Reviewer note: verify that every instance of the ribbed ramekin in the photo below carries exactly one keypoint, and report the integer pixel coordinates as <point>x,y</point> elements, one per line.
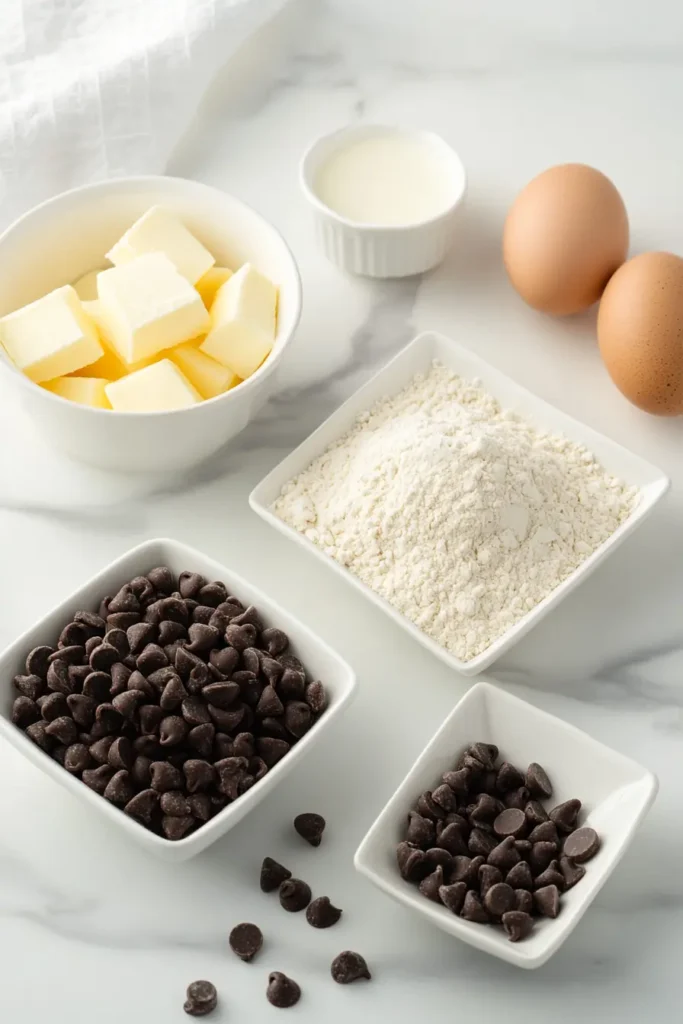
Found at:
<point>374,250</point>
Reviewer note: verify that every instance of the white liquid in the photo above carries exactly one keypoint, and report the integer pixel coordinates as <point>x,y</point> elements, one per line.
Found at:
<point>390,179</point>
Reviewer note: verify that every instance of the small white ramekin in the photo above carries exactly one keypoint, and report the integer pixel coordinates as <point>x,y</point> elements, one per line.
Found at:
<point>375,250</point>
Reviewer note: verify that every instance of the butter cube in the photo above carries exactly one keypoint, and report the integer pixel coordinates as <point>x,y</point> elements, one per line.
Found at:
<point>51,336</point>
<point>243,317</point>
<point>86,286</point>
<point>159,230</point>
<point>208,377</point>
<point>110,365</point>
<point>146,306</point>
<point>84,390</point>
<point>157,388</point>
<point>208,285</point>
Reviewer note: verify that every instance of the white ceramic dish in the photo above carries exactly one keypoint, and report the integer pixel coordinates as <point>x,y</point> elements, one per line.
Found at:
<point>377,250</point>
<point>321,660</point>
<point>615,791</point>
<point>58,241</point>
<point>417,357</point>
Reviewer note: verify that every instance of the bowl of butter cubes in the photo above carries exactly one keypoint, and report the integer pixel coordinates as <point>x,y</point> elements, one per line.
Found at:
<point>142,320</point>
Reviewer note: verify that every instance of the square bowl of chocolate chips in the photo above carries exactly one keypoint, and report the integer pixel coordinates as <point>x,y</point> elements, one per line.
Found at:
<point>507,827</point>
<point>170,695</point>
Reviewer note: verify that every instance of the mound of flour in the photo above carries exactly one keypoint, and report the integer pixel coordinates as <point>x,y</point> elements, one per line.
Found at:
<point>458,513</point>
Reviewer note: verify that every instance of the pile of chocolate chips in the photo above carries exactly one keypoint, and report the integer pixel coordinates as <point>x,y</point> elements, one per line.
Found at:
<point>483,844</point>
<point>171,701</point>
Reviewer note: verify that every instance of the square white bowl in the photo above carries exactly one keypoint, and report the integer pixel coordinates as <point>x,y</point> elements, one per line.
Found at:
<point>417,357</point>
<point>615,792</point>
<point>324,663</point>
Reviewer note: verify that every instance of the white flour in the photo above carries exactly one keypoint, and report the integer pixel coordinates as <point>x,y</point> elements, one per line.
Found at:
<point>460,514</point>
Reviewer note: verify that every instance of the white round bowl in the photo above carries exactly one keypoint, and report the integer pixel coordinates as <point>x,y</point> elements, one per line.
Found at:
<point>60,240</point>
<point>380,250</point>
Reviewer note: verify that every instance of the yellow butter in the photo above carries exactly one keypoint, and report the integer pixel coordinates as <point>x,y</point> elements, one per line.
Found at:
<point>50,337</point>
<point>157,388</point>
<point>208,285</point>
<point>84,390</point>
<point>146,306</point>
<point>86,286</point>
<point>208,377</point>
<point>159,230</point>
<point>243,322</point>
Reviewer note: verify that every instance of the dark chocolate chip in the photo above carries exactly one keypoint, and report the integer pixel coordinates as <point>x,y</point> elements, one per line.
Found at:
<point>231,771</point>
<point>485,809</point>
<point>488,877</point>
<point>273,875</point>
<point>551,876</point>
<point>545,833</point>
<point>165,777</point>
<point>581,845</point>
<point>172,731</point>
<point>510,822</point>
<point>58,677</point>
<point>173,694</point>
<point>37,661</point>
<point>175,804</point>
<point>82,709</point>
<point>571,872</point>
<point>473,910</point>
<point>504,855</point>
<point>524,901</point>
<point>435,855</point>
<point>310,827</point>
<point>99,750</point>
<point>421,831</point>
<point>77,758</point>
<point>201,739</point>
<point>221,695</point>
<point>190,583</point>
<point>30,686</point>
<point>508,778</point>
<point>519,877</point>
<point>202,637</point>
<point>109,718</point>
<point>241,637</point>
<point>444,796</point>
<point>452,839</point>
<point>246,940</point>
<point>274,641</point>
<point>537,782</point>
<point>271,750</point>
<point>320,913</point>
<point>198,774</point>
<point>120,789</point>
<point>535,813</point>
<point>518,798</point>
<point>72,655</point>
<point>175,828</point>
<point>316,698</point>
<point>499,899</point>
<point>430,884</point>
<point>480,844</point>
<point>170,631</point>
<point>98,686</point>
<point>63,729</point>
<point>541,855</point>
<point>140,772</point>
<point>298,718</point>
<point>348,967</point>
<point>202,997</point>
<point>98,779</point>
<point>459,781</point>
<point>485,753</point>
<point>547,901</point>
<point>453,896</point>
<point>121,753</point>
<point>53,705</point>
<point>412,862</point>
<point>151,658</point>
<point>517,924</point>
<point>143,805</point>
<point>565,814</point>
<point>282,991</point>
<point>295,895</point>
<point>428,808</point>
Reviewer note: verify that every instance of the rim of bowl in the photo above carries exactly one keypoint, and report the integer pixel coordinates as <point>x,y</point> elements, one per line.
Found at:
<point>339,136</point>
<point>149,180</point>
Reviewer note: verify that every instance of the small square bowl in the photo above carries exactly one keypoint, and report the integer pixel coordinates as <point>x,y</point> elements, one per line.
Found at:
<point>615,791</point>
<point>417,357</point>
<point>319,659</point>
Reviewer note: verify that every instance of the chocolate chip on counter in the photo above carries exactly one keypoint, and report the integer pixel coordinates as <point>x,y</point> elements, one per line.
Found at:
<point>547,900</point>
<point>581,845</point>
<point>295,895</point>
<point>571,872</point>
<point>246,941</point>
<point>143,805</point>
<point>545,833</point>
<point>310,827</point>
<point>119,789</point>
<point>517,924</point>
<point>202,999</point>
<point>320,913</point>
<point>499,899</point>
<point>488,877</point>
<point>551,876</point>
<point>453,896</point>
<point>565,814</point>
<point>348,967</point>
<point>430,885</point>
<point>510,822</point>
<point>282,991</point>
<point>524,901</point>
<point>273,875</point>
<point>473,910</point>
<point>541,855</point>
<point>508,778</point>
<point>520,877</point>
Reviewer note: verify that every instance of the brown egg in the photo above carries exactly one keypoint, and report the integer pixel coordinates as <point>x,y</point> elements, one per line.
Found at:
<point>565,235</point>
<point>640,332</point>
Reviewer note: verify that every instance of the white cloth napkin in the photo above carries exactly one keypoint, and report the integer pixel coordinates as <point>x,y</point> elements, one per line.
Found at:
<point>91,89</point>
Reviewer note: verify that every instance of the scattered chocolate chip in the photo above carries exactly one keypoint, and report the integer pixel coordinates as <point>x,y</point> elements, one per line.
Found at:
<point>295,895</point>
<point>282,991</point>
<point>581,845</point>
<point>202,997</point>
<point>348,967</point>
<point>517,924</point>
<point>320,913</point>
<point>310,827</point>
<point>273,875</point>
<point>246,940</point>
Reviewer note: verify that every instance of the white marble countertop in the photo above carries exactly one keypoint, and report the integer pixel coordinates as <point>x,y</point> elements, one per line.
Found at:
<point>90,927</point>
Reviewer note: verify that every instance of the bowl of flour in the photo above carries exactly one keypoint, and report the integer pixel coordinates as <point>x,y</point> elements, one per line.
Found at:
<point>462,504</point>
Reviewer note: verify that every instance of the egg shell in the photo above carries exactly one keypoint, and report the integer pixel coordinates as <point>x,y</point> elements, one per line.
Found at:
<point>565,235</point>
<point>640,332</point>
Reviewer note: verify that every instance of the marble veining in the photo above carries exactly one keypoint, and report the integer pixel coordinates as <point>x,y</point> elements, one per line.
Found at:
<point>92,928</point>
